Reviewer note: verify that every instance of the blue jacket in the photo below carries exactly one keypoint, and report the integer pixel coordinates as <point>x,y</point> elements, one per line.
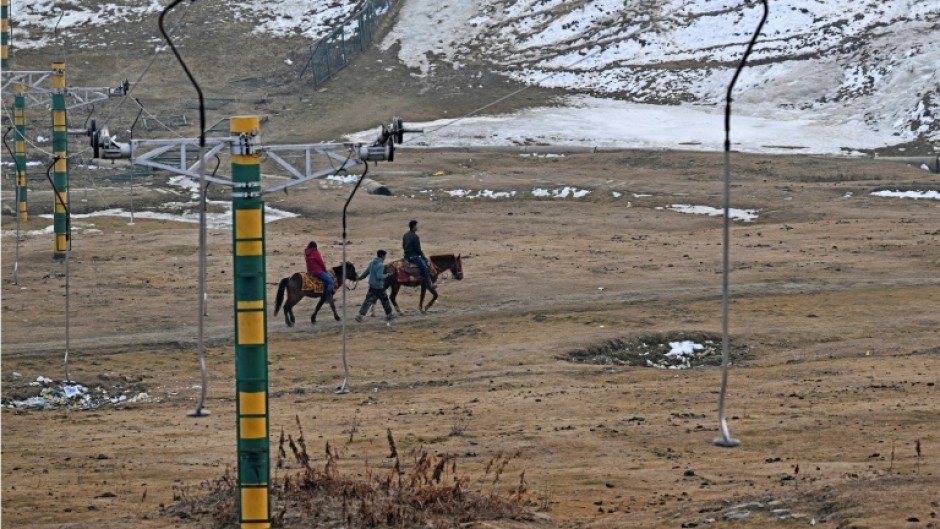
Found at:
<point>375,273</point>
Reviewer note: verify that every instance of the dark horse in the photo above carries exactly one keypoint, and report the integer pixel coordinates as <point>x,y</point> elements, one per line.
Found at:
<point>294,287</point>
<point>439,265</point>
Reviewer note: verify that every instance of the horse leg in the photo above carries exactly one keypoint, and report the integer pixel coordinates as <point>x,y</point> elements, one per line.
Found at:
<point>433,299</point>
<point>313,317</point>
<point>421,306</point>
<point>289,313</point>
<point>394,297</point>
<point>333,306</point>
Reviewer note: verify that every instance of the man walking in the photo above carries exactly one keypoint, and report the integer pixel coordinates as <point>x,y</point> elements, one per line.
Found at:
<point>376,274</point>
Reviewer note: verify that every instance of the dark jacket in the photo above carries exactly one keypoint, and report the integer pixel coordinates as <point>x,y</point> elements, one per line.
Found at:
<point>411,244</point>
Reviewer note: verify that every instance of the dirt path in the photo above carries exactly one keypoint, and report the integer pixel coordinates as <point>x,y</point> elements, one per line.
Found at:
<point>187,337</point>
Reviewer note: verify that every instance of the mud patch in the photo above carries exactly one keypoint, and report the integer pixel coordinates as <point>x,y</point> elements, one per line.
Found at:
<point>673,350</point>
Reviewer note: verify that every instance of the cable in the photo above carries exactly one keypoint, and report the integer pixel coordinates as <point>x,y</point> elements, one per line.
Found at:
<point>344,388</point>
<point>192,79</point>
<point>513,94</point>
<point>16,163</point>
<point>726,440</point>
<point>156,55</point>
<point>199,411</point>
<point>68,250</point>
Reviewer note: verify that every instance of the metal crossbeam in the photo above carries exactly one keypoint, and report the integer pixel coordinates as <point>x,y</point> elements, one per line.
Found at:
<point>182,147</point>
<point>30,79</point>
<point>41,95</point>
<point>339,156</point>
<point>345,162</point>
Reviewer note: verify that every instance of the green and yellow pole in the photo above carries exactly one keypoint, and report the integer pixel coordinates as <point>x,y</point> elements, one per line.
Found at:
<point>60,144</point>
<point>251,342</point>
<point>5,37</point>
<point>19,142</point>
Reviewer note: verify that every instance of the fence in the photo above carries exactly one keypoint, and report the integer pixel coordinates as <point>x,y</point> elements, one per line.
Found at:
<point>336,50</point>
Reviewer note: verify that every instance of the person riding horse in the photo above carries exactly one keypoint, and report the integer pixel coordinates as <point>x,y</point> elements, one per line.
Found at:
<point>316,267</point>
<point>411,244</point>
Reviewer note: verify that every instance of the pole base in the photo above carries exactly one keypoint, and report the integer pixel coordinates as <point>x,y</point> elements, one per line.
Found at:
<point>201,412</point>
<point>727,442</point>
<point>342,390</point>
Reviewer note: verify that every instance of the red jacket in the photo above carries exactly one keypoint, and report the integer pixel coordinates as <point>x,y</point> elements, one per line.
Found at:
<point>315,264</point>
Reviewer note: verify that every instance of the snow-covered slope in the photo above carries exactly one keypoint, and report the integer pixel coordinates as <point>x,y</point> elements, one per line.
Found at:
<point>872,62</point>
<point>865,69</point>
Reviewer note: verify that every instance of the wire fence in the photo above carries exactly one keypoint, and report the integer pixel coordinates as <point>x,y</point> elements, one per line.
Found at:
<point>336,50</point>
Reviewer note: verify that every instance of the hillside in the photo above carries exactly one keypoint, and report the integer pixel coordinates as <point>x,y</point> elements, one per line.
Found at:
<point>863,70</point>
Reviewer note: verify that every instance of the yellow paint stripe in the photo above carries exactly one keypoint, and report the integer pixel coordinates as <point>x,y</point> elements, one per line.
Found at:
<point>245,124</point>
<point>251,328</point>
<point>254,503</point>
<point>61,166</point>
<point>246,159</point>
<point>248,223</point>
<point>252,427</point>
<point>60,242</point>
<point>58,118</point>
<point>249,305</point>
<point>245,249</point>
<point>252,403</point>
<point>254,525</point>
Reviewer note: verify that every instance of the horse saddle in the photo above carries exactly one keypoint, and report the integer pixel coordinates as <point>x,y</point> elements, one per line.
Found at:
<point>316,285</point>
<point>406,271</point>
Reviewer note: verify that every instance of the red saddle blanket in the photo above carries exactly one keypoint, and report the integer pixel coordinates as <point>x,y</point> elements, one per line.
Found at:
<point>405,271</point>
<point>316,285</point>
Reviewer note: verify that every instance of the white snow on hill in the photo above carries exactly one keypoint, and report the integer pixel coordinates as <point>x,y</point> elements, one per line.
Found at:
<point>869,65</point>
<point>825,76</point>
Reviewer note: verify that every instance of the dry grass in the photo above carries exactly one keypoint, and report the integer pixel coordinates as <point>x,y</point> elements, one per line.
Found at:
<point>420,490</point>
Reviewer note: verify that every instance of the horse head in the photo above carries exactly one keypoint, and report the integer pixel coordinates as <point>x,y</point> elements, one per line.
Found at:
<point>350,271</point>
<point>457,268</point>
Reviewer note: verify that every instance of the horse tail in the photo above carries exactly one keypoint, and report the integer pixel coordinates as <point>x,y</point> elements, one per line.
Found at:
<point>280,295</point>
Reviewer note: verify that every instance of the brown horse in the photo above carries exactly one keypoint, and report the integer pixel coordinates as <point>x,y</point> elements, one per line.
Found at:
<point>439,264</point>
<point>293,285</point>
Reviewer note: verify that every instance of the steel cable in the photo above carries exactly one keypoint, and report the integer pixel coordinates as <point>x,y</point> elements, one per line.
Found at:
<point>199,411</point>
<point>726,440</point>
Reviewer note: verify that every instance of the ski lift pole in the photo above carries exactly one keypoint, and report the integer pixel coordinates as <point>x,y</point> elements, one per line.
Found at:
<point>60,143</point>
<point>251,347</point>
<point>19,142</point>
<point>5,37</point>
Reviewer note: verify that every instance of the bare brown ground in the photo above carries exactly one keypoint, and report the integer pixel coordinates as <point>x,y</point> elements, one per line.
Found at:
<point>835,293</point>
